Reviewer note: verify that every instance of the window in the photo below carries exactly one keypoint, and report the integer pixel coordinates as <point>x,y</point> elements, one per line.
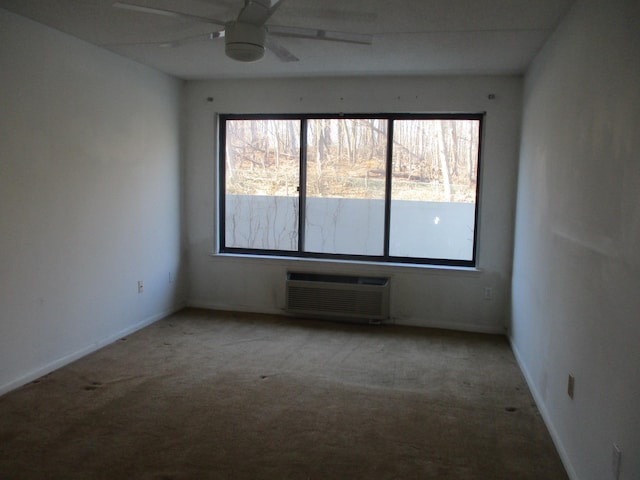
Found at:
<point>388,188</point>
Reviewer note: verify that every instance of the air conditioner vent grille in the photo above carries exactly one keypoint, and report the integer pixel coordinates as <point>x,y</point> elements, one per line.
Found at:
<point>339,297</point>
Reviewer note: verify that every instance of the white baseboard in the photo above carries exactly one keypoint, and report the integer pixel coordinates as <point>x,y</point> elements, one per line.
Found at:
<point>407,322</point>
<point>71,357</point>
<point>223,307</point>
<point>461,327</point>
<point>557,441</point>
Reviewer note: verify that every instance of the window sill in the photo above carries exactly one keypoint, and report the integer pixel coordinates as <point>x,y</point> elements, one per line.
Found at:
<point>383,267</point>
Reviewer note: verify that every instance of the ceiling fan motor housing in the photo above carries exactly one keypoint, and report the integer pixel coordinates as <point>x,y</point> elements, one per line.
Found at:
<point>244,42</point>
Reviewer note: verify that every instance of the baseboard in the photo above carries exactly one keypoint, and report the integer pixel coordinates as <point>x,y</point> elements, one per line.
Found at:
<point>72,357</point>
<point>224,307</point>
<point>557,441</point>
<point>461,327</point>
<point>406,322</point>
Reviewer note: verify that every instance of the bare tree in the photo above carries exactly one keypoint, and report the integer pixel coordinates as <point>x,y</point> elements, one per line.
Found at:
<point>443,163</point>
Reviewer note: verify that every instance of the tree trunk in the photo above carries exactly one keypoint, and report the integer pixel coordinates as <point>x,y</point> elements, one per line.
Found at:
<point>443,163</point>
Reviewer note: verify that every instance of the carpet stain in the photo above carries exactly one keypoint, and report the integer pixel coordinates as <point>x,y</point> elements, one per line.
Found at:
<point>93,386</point>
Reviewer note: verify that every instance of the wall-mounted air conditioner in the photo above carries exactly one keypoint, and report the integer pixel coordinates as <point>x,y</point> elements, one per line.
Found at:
<point>338,297</point>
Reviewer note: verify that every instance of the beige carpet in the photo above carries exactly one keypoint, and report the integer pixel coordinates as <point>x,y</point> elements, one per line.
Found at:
<point>217,395</point>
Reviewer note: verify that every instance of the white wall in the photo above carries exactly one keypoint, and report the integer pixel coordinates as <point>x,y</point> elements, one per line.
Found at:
<point>90,198</point>
<point>420,296</point>
<point>576,280</point>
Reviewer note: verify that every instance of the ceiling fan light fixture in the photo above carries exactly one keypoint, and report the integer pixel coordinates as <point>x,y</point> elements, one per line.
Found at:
<point>244,52</point>
<point>244,42</point>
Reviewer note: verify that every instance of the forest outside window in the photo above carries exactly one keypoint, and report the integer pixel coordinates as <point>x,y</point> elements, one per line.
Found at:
<point>388,188</point>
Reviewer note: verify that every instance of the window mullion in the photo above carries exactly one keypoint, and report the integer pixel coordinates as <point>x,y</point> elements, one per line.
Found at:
<point>387,190</point>
<point>222,183</point>
<point>302,187</point>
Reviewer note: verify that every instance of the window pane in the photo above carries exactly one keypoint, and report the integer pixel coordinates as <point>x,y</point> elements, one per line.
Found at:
<point>345,186</point>
<point>262,161</point>
<point>433,192</point>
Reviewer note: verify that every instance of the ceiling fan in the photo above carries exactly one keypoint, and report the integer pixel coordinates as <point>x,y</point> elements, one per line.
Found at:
<point>247,36</point>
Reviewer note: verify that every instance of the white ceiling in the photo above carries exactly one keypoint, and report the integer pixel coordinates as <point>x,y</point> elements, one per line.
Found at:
<point>410,37</point>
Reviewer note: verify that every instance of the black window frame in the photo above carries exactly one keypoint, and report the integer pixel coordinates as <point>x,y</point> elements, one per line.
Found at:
<point>300,253</point>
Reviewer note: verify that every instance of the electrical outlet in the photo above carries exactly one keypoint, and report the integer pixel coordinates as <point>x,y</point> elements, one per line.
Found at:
<point>170,277</point>
<point>616,458</point>
<point>140,286</point>
<point>488,293</point>
<point>570,385</point>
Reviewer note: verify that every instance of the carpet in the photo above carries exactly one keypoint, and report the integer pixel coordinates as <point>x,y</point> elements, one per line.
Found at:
<point>204,394</point>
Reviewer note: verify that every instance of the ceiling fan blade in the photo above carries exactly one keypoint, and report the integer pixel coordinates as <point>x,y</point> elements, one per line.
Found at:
<point>276,4</point>
<point>313,33</point>
<point>166,13</point>
<point>171,43</point>
<point>257,12</point>
<point>194,38</point>
<point>322,13</point>
<point>280,52</point>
